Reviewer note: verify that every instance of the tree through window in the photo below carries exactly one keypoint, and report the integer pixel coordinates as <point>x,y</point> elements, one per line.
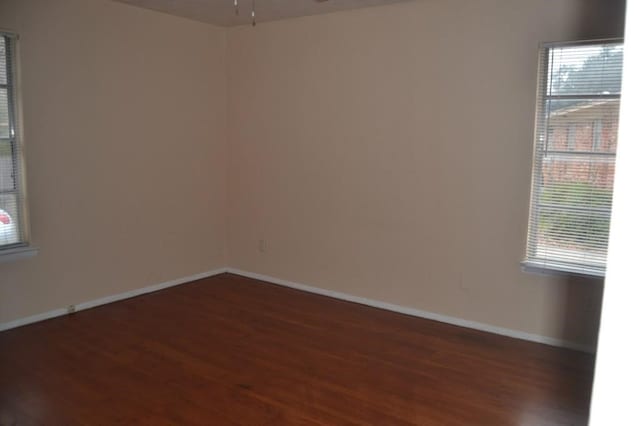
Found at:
<point>575,146</point>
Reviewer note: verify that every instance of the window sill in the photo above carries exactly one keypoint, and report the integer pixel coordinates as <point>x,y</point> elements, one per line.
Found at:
<point>17,253</point>
<point>558,268</point>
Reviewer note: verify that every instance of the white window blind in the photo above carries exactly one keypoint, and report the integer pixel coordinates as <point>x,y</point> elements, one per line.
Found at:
<point>574,156</point>
<point>12,232</point>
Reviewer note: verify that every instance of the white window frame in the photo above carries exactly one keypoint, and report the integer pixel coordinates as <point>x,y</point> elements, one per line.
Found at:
<point>23,248</point>
<point>549,264</point>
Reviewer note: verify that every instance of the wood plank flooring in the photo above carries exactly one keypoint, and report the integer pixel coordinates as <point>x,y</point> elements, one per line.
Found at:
<point>229,350</point>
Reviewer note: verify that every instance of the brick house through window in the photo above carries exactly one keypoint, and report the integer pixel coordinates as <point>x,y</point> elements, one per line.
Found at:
<point>589,129</point>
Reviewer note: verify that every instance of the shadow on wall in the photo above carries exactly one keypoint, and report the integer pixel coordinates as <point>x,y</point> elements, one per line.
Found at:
<point>602,19</point>
<point>583,295</point>
<point>581,315</point>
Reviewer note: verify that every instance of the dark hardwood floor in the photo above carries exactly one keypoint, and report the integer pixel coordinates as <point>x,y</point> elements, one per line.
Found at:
<point>230,350</point>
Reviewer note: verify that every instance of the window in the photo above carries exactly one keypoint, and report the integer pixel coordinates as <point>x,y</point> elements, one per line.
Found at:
<point>12,214</point>
<point>574,156</point>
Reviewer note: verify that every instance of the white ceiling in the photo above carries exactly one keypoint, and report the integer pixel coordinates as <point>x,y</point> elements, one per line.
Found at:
<point>222,12</point>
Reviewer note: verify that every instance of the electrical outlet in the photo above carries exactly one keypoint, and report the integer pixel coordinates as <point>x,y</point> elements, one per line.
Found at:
<point>71,309</point>
<point>262,246</point>
<point>463,284</point>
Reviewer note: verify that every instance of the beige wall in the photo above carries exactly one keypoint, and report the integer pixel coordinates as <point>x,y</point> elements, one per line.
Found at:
<point>382,152</point>
<point>386,153</point>
<point>125,129</point>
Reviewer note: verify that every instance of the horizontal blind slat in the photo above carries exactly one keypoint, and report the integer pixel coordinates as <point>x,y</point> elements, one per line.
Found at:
<point>574,156</point>
<point>11,193</point>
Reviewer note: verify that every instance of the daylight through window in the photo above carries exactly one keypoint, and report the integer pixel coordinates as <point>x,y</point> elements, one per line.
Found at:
<point>12,233</point>
<point>575,148</point>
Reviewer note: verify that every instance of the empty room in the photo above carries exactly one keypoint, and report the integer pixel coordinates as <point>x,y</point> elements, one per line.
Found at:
<point>318,212</point>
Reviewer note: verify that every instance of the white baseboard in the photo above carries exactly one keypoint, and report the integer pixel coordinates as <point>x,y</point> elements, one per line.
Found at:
<point>419,313</point>
<point>316,290</point>
<point>108,299</point>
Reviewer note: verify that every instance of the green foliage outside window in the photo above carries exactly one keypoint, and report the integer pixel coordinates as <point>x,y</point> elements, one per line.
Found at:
<point>563,226</point>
